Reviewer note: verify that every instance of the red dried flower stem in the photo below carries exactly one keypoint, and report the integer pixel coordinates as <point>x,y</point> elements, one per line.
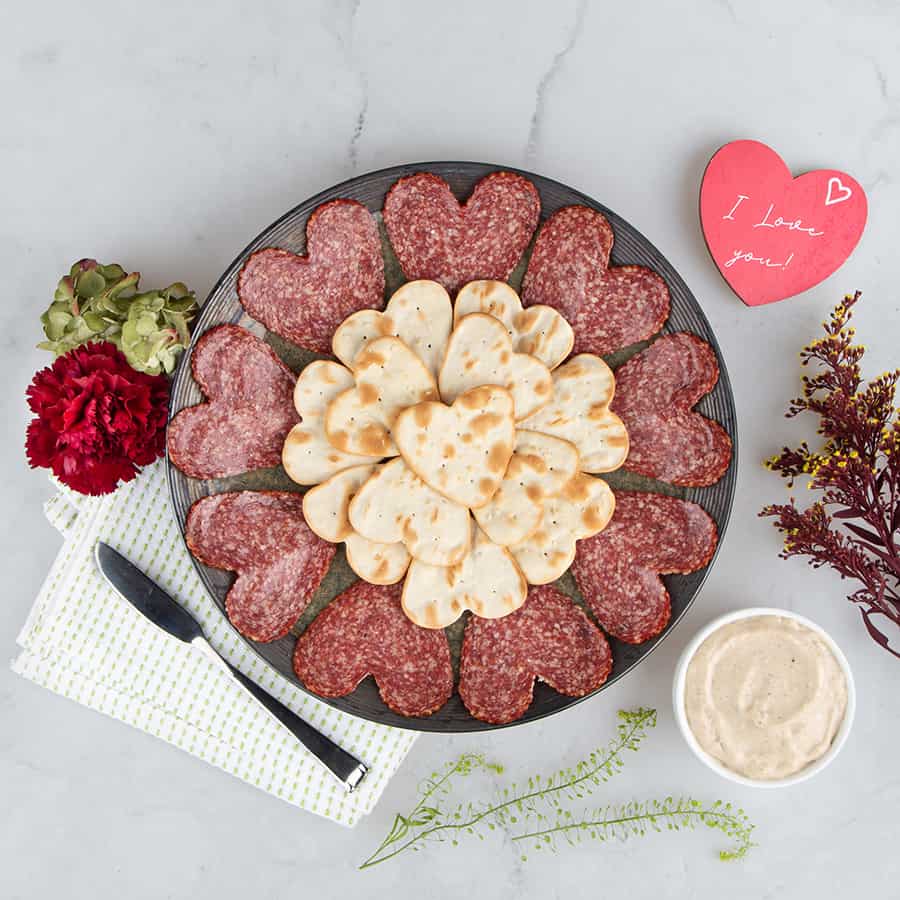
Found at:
<point>857,469</point>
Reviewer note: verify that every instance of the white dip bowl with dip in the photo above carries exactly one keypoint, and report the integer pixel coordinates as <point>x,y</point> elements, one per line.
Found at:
<point>764,697</point>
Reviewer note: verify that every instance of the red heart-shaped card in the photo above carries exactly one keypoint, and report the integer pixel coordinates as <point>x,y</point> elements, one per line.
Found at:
<point>771,235</point>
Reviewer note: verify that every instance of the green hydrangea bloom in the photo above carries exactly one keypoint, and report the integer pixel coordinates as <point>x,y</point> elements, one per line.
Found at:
<point>100,303</point>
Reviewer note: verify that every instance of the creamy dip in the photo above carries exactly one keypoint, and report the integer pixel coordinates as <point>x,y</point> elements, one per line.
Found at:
<point>765,696</point>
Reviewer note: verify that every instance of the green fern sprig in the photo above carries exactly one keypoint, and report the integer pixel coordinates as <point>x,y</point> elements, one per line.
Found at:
<point>515,805</point>
<point>636,819</point>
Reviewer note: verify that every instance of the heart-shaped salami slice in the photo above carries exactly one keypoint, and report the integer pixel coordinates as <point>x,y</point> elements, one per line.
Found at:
<point>618,570</point>
<point>655,393</point>
<point>608,307</point>
<point>548,638</point>
<point>304,298</point>
<point>263,537</point>
<point>250,409</point>
<point>363,632</point>
<point>461,451</point>
<point>437,238</point>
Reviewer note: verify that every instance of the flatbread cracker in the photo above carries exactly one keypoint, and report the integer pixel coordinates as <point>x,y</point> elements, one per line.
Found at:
<point>581,510</point>
<point>461,450</point>
<point>579,412</point>
<point>396,505</point>
<point>375,562</point>
<point>539,468</point>
<point>539,330</point>
<point>480,351</point>
<point>419,313</point>
<point>389,378</point>
<point>307,455</point>
<point>487,581</point>
<point>325,508</point>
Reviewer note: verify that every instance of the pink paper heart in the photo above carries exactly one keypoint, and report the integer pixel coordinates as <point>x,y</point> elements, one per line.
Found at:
<point>771,235</point>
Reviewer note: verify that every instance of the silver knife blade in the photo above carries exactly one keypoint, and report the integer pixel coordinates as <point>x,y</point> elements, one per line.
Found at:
<point>149,599</point>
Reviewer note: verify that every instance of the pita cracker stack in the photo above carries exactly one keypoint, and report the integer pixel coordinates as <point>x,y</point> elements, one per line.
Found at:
<point>307,456</point>
<point>462,450</point>
<point>579,413</point>
<point>394,504</point>
<point>419,313</point>
<point>539,330</point>
<point>581,510</point>
<point>389,377</point>
<point>480,352</point>
<point>487,581</point>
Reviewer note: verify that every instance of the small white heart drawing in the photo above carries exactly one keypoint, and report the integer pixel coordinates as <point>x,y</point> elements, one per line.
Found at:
<point>835,187</point>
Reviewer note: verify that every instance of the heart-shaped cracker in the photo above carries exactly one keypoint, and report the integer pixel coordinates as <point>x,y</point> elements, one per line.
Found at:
<point>436,237</point>
<point>579,413</point>
<point>487,581</point>
<point>419,313</point>
<point>461,450</point>
<point>549,638</point>
<point>303,298</point>
<point>582,509</point>
<point>389,377</point>
<point>655,394</point>
<point>363,632</point>
<point>249,412</point>
<point>608,307</point>
<point>539,468</point>
<point>307,455</point>
<point>396,505</point>
<point>479,352</point>
<point>539,330</point>
<point>325,509</point>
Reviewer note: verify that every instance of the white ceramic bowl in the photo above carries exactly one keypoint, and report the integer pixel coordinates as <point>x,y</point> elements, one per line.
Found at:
<point>712,762</point>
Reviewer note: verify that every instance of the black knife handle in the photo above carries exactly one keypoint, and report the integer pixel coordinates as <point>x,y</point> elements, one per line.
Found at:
<point>344,766</point>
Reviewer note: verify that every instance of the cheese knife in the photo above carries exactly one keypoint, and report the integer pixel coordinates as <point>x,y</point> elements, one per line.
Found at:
<point>149,599</point>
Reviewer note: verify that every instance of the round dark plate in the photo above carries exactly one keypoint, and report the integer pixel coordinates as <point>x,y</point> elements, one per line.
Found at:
<point>289,232</point>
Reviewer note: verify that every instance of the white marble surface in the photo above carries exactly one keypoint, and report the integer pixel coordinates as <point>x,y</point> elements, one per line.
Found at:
<point>166,137</point>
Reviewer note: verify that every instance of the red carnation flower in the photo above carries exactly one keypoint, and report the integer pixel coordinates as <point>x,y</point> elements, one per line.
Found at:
<point>96,419</point>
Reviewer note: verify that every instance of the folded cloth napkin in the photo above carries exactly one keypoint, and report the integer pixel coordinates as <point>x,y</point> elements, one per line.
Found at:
<point>82,640</point>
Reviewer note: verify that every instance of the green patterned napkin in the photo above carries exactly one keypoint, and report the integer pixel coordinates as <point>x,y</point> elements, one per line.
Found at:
<point>83,641</point>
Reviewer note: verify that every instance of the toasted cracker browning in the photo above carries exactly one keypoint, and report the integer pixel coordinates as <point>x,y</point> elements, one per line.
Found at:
<point>481,423</point>
<point>487,581</point>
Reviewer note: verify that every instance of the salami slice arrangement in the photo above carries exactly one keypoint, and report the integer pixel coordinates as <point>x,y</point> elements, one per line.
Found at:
<point>363,632</point>
<point>452,443</point>
<point>279,561</point>
<point>436,237</point>
<point>305,298</point>
<point>249,411</point>
<point>548,638</point>
<point>618,570</point>
<point>608,307</point>
<point>656,391</point>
